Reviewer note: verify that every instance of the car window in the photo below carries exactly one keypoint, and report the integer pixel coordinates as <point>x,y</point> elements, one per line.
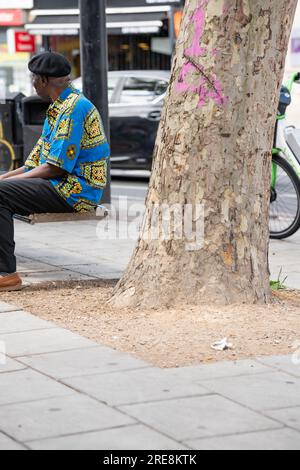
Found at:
<point>142,90</point>
<point>112,83</point>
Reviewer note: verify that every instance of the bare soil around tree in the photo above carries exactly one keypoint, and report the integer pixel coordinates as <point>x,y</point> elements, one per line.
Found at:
<point>168,337</point>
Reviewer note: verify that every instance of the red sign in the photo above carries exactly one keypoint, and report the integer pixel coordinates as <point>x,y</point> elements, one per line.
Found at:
<point>24,42</point>
<point>11,17</point>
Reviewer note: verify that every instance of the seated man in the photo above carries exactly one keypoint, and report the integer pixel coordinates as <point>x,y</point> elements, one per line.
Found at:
<point>67,169</point>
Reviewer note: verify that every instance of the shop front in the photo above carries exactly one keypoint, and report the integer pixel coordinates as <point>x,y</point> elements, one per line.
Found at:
<point>141,32</point>
<point>14,52</point>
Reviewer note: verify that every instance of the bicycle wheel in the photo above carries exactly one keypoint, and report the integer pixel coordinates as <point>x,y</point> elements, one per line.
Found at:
<point>285,200</point>
<point>6,156</point>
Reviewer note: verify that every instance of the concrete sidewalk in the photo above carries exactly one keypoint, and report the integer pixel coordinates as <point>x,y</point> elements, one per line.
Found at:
<point>79,250</point>
<point>284,256</point>
<point>62,391</point>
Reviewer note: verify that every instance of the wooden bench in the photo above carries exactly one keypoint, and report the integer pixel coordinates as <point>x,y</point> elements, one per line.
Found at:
<point>100,213</point>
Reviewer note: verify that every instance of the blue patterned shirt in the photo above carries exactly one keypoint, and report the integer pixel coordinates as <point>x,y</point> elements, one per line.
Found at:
<point>73,139</point>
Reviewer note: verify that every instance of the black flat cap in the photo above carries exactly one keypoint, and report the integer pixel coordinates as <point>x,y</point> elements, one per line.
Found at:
<point>50,64</point>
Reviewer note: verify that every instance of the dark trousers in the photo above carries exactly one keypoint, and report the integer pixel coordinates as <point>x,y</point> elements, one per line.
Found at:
<point>23,197</point>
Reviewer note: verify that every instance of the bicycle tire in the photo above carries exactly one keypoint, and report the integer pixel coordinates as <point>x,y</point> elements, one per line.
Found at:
<point>290,172</point>
<point>9,162</point>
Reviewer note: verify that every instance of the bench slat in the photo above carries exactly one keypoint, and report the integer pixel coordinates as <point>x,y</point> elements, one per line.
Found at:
<point>100,213</point>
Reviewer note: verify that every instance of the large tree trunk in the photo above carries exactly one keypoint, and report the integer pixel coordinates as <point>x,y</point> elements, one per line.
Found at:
<point>213,149</point>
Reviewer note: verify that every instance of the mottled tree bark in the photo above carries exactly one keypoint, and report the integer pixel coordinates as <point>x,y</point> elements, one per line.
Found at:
<point>213,148</point>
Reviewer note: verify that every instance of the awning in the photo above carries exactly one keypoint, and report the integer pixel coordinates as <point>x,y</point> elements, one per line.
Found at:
<point>69,24</point>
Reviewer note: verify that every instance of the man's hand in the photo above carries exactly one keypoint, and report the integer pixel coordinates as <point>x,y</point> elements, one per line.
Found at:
<point>45,171</point>
<point>12,174</point>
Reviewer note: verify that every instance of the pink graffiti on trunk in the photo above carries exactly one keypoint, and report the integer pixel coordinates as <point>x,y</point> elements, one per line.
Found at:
<point>198,18</point>
<point>208,87</point>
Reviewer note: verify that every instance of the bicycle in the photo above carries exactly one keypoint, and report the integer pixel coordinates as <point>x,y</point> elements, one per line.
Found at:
<point>285,183</point>
<point>7,153</point>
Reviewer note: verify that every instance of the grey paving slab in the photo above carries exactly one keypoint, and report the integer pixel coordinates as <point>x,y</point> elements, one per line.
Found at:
<point>222,369</point>
<point>63,257</point>
<point>81,362</point>
<point>6,443</point>
<point>282,257</point>
<point>56,417</point>
<point>102,258</point>
<point>69,259</point>
<point>293,280</point>
<point>53,276</point>
<point>6,308</point>
<point>289,263</point>
<point>136,437</point>
<point>197,417</point>
<point>21,321</point>
<point>287,257</point>
<point>28,385</point>
<point>9,365</point>
<point>43,341</point>
<point>48,255</point>
<point>280,439</point>
<point>135,386</point>
<point>290,273</point>
<point>100,270</point>
<point>288,416</point>
<point>268,391</point>
<point>288,364</point>
<point>27,265</point>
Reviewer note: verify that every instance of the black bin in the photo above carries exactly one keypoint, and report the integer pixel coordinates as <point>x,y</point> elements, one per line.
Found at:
<point>11,132</point>
<point>34,115</point>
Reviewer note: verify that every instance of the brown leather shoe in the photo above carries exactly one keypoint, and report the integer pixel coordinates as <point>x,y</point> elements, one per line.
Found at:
<point>10,282</point>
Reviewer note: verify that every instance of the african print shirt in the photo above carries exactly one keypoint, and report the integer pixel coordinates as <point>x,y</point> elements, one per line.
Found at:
<point>73,139</point>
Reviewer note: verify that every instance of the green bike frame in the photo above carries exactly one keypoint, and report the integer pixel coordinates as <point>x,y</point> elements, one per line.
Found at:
<point>284,151</point>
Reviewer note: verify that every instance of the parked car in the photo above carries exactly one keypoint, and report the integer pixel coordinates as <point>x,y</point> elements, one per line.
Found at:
<point>135,103</point>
